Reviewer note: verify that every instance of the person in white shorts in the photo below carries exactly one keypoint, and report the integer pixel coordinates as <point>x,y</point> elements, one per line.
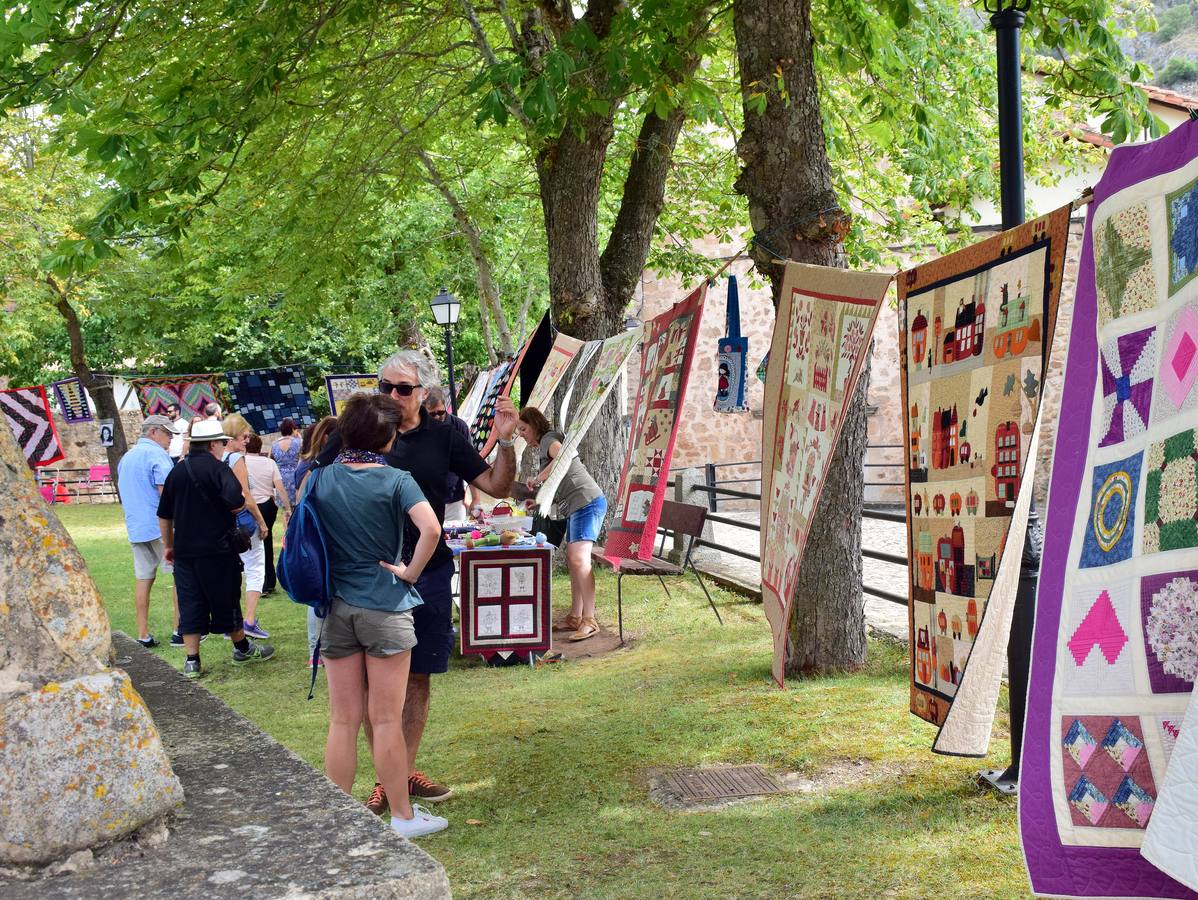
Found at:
<point>140,476</point>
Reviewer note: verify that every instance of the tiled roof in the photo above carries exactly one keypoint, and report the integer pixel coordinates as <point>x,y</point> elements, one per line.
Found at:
<point>1169,98</point>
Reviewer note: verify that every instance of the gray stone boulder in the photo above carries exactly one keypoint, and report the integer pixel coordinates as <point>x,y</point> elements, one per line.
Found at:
<point>81,763</point>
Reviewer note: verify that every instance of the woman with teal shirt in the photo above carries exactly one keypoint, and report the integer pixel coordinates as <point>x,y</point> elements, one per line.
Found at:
<point>367,639</point>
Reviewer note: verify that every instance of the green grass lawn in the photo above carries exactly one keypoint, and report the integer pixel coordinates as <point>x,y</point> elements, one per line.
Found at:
<point>554,762</point>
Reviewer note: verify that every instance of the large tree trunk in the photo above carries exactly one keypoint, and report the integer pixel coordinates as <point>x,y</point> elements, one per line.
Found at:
<point>100,389</point>
<point>795,214</point>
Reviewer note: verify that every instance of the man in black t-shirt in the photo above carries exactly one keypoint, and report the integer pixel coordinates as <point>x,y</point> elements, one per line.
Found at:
<point>196,513</point>
<point>431,451</point>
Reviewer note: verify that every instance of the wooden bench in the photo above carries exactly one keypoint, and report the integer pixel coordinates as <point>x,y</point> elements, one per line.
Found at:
<point>686,519</point>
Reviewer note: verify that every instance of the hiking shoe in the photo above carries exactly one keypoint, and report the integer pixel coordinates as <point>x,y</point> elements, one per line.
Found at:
<point>254,630</point>
<point>191,668</point>
<point>256,653</point>
<point>424,788</point>
<point>378,799</point>
<point>422,822</point>
<point>148,641</point>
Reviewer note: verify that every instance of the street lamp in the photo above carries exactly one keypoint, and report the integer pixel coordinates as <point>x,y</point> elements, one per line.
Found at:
<point>445,307</point>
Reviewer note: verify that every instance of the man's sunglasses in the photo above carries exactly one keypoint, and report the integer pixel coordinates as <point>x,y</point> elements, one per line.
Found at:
<point>439,414</point>
<point>404,390</point>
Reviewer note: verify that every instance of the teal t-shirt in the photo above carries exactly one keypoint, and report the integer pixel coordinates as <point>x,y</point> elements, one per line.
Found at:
<point>362,512</point>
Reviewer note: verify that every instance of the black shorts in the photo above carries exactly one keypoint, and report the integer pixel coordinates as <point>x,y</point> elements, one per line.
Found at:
<point>433,621</point>
<point>209,589</point>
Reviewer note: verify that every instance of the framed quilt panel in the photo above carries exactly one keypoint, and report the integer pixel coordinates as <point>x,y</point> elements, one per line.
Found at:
<point>1109,760</point>
<point>609,363</point>
<point>665,370</point>
<point>822,332</point>
<point>72,400</point>
<point>191,392</point>
<point>974,333</point>
<point>341,387</point>
<point>27,411</point>
<point>561,354</point>
<point>268,396</point>
<point>506,600</point>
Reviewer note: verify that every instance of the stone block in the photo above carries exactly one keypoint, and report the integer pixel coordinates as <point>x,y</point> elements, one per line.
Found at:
<point>81,764</point>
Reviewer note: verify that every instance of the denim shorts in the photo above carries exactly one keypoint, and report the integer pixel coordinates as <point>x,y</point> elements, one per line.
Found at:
<point>585,524</point>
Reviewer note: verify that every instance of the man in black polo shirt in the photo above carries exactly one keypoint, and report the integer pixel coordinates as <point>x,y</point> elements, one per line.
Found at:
<point>430,451</point>
<point>195,513</point>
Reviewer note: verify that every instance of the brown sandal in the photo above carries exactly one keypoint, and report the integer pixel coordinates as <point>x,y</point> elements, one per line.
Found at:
<point>568,622</point>
<point>587,628</point>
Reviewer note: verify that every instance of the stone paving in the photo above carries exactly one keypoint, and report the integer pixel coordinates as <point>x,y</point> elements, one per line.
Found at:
<point>881,615</point>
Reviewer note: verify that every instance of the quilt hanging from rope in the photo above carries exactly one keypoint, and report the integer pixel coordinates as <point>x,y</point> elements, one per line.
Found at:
<point>1109,777</point>
<point>341,387</point>
<point>975,328</point>
<point>561,354</point>
<point>28,413</point>
<point>612,354</point>
<point>822,332</point>
<point>72,400</point>
<point>268,396</point>
<point>191,392</point>
<point>661,389</point>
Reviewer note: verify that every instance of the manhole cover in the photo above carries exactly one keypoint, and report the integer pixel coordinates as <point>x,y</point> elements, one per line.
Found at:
<point>720,783</point>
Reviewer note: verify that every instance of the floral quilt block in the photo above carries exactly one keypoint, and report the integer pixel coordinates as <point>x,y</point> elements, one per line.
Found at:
<point>1171,494</point>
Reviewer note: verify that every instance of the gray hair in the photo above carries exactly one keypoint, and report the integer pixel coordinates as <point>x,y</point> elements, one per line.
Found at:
<point>436,396</point>
<point>425,369</point>
<point>212,409</point>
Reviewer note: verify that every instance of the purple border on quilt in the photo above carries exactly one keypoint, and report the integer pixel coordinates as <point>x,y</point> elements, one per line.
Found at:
<point>1055,868</point>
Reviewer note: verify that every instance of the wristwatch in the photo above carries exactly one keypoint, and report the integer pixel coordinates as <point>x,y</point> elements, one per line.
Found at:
<point>508,442</point>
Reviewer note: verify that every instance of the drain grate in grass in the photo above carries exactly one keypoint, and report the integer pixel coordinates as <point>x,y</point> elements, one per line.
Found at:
<point>720,783</point>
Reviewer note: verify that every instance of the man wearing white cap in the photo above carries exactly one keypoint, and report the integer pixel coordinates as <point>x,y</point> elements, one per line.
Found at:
<point>141,474</point>
<point>197,517</point>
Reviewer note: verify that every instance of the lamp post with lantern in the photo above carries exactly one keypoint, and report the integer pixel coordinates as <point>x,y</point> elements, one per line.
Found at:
<point>446,307</point>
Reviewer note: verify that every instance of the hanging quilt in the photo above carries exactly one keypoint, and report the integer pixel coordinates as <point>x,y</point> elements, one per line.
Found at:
<point>535,355</point>
<point>975,327</point>
<point>28,413</point>
<point>341,387</point>
<point>1115,650</point>
<point>731,359</point>
<point>72,400</point>
<point>665,371</point>
<point>499,379</point>
<point>611,356</point>
<point>561,354</point>
<point>468,403</point>
<point>191,392</point>
<point>822,332</point>
<point>268,396</point>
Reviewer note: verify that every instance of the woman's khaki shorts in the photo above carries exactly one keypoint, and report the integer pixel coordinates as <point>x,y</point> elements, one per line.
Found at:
<point>353,629</point>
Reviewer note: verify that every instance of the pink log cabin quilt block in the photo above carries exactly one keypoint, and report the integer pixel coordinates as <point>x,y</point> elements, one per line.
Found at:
<point>822,333</point>
<point>1115,651</point>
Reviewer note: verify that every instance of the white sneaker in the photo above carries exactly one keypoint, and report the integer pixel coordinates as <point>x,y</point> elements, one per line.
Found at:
<point>422,822</point>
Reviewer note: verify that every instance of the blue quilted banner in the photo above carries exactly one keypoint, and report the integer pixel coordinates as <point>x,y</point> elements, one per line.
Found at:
<point>268,396</point>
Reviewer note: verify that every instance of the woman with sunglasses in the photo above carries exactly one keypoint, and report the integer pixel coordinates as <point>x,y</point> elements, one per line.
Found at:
<point>368,636</point>
<point>238,431</point>
<point>581,503</point>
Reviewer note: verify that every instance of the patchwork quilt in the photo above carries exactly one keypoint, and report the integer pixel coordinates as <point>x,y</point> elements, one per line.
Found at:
<point>499,382</point>
<point>1108,749</point>
<point>822,332</point>
<point>341,387</point>
<point>558,360</point>
<point>609,363</point>
<point>665,371</point>
<point>191,392</point>
<point>268,396</point>
<point>974,331</point>
<point>27,411</point>
<point>468,402</point>
<point>72,400</point>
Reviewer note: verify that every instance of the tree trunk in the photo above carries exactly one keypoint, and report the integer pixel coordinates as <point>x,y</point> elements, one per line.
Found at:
<point>100,389</point>
<point>795,214</point>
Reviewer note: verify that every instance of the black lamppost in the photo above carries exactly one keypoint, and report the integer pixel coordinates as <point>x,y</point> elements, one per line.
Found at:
<point>445,307</point>
<point>1007,17</point>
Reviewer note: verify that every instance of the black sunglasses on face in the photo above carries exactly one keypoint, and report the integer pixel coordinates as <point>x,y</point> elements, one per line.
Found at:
<point>439,414</point>
<point>404,390</point>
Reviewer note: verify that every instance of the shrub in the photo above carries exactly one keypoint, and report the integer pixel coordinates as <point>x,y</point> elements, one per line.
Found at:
<point>1172,21</point>
<point>1179,69</point>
